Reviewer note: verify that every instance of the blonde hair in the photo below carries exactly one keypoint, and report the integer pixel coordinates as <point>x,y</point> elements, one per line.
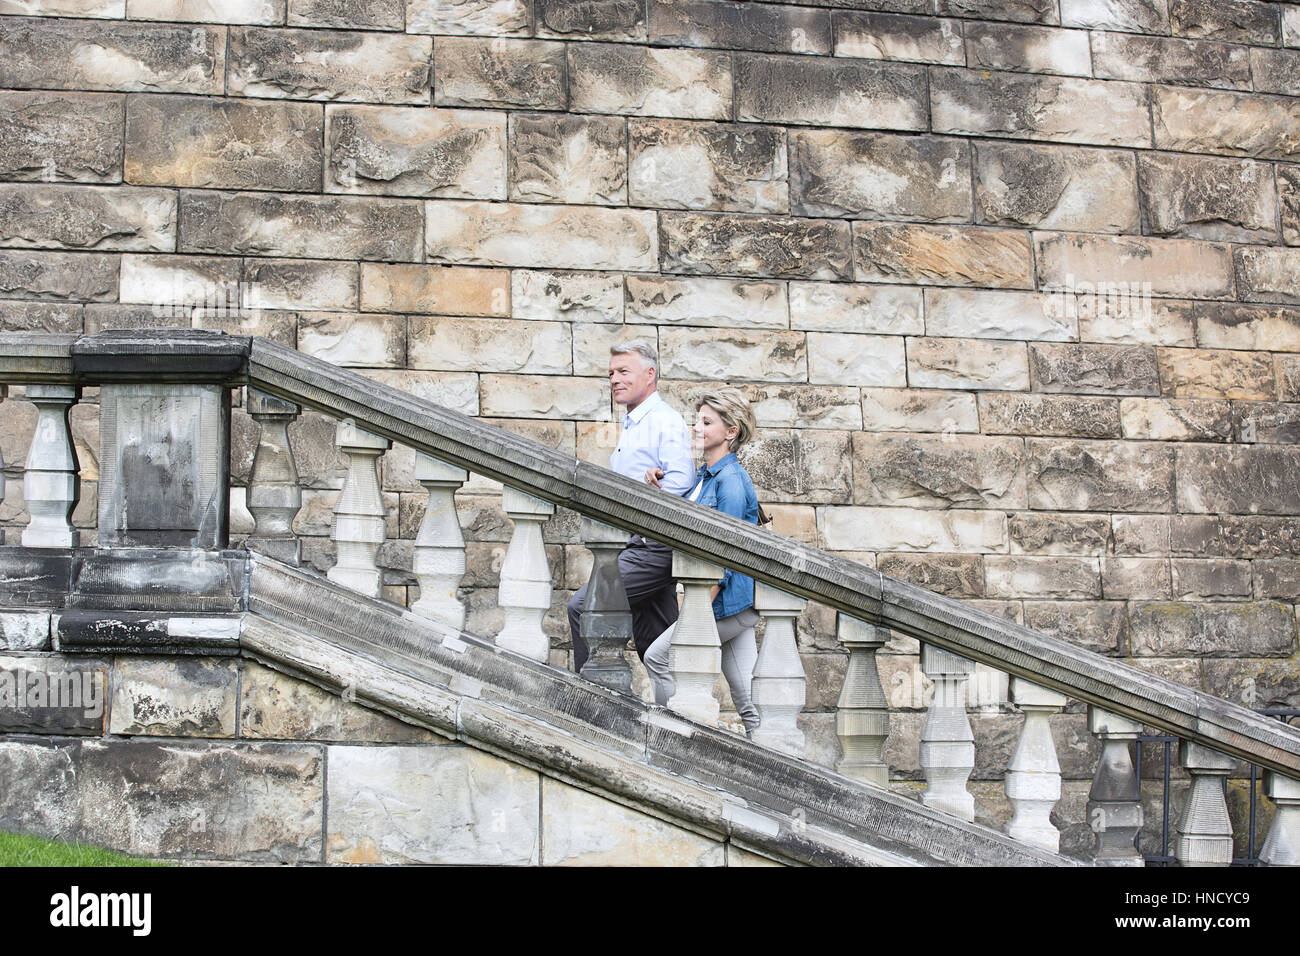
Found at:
<point>733,408</point>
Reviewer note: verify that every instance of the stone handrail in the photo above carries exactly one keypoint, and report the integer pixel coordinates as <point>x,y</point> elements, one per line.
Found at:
<point>598,493</point>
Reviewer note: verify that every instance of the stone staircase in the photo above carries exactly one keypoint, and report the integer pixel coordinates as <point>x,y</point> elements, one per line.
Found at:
<point>160,582</point>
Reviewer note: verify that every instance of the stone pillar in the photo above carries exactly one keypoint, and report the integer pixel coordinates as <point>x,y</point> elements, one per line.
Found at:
<point>947,743</point>
<point>51,483</point>
<point>1033,780</point>
<point>4,393</point>
<point>1205,830</point>
<point>606,625</point>
<point>696,655</point>
<point>274,496</point>
<point>862,714</point>
<point>525,590</point>
<point>1282,845</point>
<point>359,512</point>
<point>439,561</point>
<point>1115,800</point>
<point>779,689</point>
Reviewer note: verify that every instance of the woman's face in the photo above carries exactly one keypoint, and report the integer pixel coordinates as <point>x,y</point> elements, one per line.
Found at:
<point>712,436</point>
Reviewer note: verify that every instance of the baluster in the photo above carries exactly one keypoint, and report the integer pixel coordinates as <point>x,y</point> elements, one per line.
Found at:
<point>779,689</point>
<point>1282,845</point>
<point>439,561</point>
<point>274,496</point>
<point>359,512</point>
<point>695,659</point>
<point>1115,800</point>
<point>525,590</point>
<point>862,714</point>
<point>51,483</point>
<point>606,625</point>
<point>1205,830</point>
<point>947,743</point>
<point>4,393</point>
<point>1033,780</point>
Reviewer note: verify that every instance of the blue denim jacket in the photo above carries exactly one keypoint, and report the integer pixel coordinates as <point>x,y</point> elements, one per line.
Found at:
<point>727,488</point>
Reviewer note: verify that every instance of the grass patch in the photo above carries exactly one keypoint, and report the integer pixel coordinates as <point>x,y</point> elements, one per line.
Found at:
<point>19,850</point>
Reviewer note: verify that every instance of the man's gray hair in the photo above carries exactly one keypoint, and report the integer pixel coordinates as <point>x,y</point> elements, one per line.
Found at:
<point>642,348</point>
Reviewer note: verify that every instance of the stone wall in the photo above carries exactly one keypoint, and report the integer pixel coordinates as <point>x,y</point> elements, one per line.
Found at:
<point>1015,286</point>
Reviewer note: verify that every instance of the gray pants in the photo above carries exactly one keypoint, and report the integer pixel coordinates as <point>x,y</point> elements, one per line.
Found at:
<point>739,655</point>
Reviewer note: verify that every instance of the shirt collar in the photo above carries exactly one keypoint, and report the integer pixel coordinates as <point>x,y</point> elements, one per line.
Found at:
<point>717,466</point>
<point>642,410</point>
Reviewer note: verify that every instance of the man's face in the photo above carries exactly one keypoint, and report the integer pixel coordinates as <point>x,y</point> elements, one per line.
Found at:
<point>631,379</point>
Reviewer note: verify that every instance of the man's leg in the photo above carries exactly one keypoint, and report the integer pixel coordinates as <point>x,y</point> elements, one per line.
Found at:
<point>647,569</point>
<point>575,620</point>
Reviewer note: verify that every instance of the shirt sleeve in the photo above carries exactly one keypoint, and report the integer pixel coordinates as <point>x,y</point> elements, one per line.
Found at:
<point>676,458</point>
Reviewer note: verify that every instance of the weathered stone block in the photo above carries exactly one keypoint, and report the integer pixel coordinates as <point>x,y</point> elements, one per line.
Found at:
<point>1260,328</point>
<point>1210,373</point>
<point>267,12</point>
<point>1177,420</point>
<point>1276,71</point>
<point>499,73</point>
<point>787,406</point>
<point>1093,625</point>
<point>438,289</point>
<point>357,14</point>
<point>1121,56</point>
<point>108,9</point>
<point>473,17</point>
<point>731,303</point>
<point>908,529</point>
<point>968,471</point>
<point>1055,187</point>
<point>53,137</point>
<point>1138,16</point>
<point>727,166</point>
<point>967,363</point>
<point>1140,534</point>
<point>1027,49</point>
<point>956,575</point>
<point>40,794</point>
<point>1238,124</point>
<point>1241,21</point>
<point>1062,109</point>
<point>52,695</point>
<point>739,26</point>
<point>811,466</point>
<point>1135,579</point>
<point>563,237</point>
<point>1290,27</point>
<point>1020,11</point>
<point>1100,475</point>
<point>490,345</point>
<point>566,296</point>
<point>223,143</point>
<point>25,631</point>
<point>347,338</point>
<point>180,281</point>
<point>103,316</point>
<point>81,277</point>
<point>821,92</point>
<point>88,217</point>
<point>60,317</point>
<point>280,327</point>
<point>543,396</point>
<point>400,151</point>
<point>1253,683</point>
<point>1125,314</point>
<point>1032,533</point>
<point>1288,377</point>
<point>642,81</point>
<point>597,19</point>
<point>329,65</point>
<point>1226,199</point>
<point>1181,267</point>
<point>300,284</point>
<point>1266,422</point>
<point>1288,194</point>
<point>1232,536</point>
<point>883,36</point>
<point>1268,274</point>
<point>1246,629</point>
<point>1277,578</point>
<point>174,697</point>
<point>917,410</point>
<point>703,243</point>
<point>1101,369</point>
<point>1020,576</point>
<point>304,227</point>
<point>445,804</point>
<point>996,315</point>
<point>591,345</point>
<point>1063,415</point>
<point>847,174</point>
<point>576,159</point>
<point>942,255</point>
<point>841,307</point>
<point>1210,579</point>
<point>582,829</point>
<point>89,55</point>
<point>1242,479</point>
<point>715,355</point>
<point>839,358</point>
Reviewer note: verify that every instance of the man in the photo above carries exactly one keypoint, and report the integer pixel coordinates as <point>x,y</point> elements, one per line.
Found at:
<point>653,446</point>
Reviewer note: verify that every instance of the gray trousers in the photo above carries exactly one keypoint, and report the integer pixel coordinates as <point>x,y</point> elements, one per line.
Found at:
<point>739,655</point>
<point>647,569</point>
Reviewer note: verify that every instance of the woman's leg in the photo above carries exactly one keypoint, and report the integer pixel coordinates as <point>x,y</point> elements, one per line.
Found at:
<point>739,655</point>
<point>656,664</point>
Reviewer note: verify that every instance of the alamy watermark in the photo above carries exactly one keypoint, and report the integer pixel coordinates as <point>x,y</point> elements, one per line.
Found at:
<point>82,690</point>
<point>1082,298</point>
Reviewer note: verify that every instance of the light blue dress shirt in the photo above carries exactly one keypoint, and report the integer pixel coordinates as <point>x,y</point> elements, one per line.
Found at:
<point>655,436</point>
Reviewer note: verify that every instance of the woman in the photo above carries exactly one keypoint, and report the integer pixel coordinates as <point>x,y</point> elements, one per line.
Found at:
<point>723,423</point>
